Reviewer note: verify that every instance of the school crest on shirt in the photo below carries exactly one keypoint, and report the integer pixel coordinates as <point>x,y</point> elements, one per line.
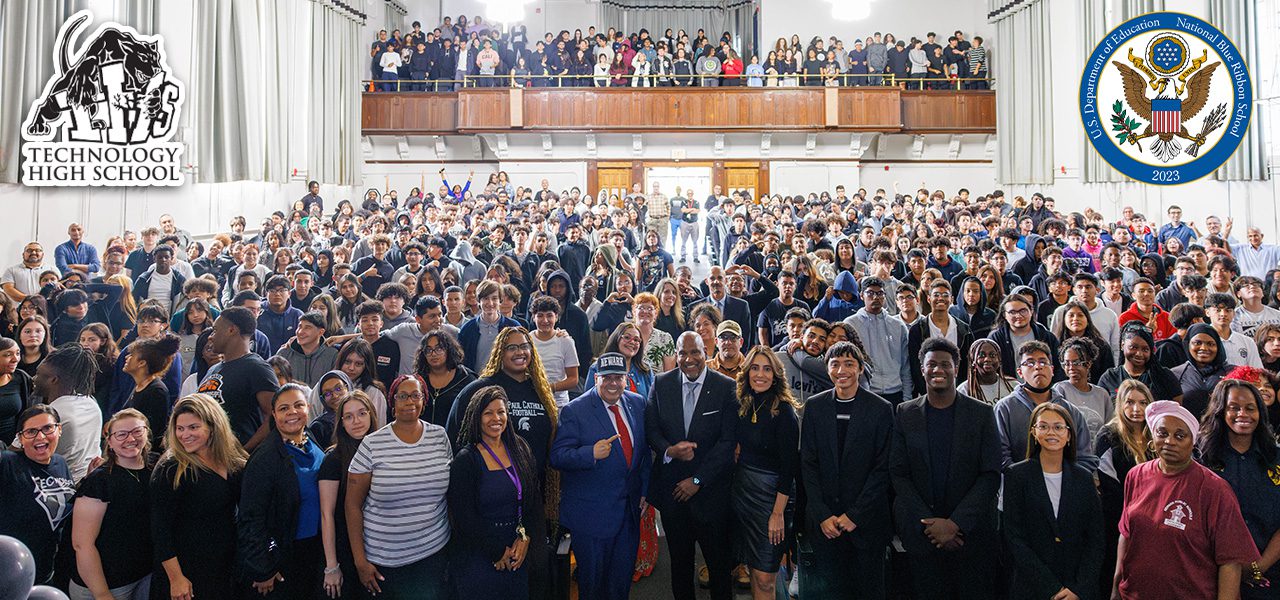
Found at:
<point>212,385</point>
<point>1166,98</point>
<point>53,494</point>
<point>1177,512</point>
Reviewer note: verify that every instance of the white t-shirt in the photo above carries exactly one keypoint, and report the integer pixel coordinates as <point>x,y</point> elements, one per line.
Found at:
<point>557,354</point>
<point>161,286</point>
<point>390,62</point>
<point>81,432</point>
<point>1053,484</point>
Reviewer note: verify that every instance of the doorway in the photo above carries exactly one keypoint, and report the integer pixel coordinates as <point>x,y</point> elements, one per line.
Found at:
<point>677,181</point>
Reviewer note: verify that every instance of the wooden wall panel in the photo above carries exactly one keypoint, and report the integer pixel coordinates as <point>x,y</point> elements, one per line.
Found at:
<point>664,109</point>
<point>949,111</point>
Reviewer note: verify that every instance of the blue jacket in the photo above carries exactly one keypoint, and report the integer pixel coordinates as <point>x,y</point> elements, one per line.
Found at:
<point>837,309</point>
<point>469,338</point>
<point>278,327</point>
<point>122,383</point>
<point>598,496</point>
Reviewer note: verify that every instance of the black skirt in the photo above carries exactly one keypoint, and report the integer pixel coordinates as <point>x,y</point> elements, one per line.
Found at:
<point>754,493</point>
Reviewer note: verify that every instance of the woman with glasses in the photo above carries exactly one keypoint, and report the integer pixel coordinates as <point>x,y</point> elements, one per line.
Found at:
<point>111,524</point>
<point>627,341</point>
<point>439,365</point>
<point>515,366</point>
<point>1052,515</point>
<point>355,421</point>
<point>1181,532</point>
<point>1077,356</point>
<point>35,488</point>
<point>332,388</point>
<point>194,492</point>
<point>396,510</point>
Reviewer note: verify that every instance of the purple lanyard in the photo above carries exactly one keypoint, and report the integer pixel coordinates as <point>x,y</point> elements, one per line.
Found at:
<point>515,480</point>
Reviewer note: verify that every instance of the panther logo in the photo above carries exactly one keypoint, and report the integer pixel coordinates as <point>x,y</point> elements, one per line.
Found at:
<point>82,85</point>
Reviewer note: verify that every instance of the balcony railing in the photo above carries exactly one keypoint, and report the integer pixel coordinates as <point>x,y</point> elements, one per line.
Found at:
<point>664,108</point>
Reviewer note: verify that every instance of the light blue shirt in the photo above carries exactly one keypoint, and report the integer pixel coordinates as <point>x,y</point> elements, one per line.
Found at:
<point>885,339</point>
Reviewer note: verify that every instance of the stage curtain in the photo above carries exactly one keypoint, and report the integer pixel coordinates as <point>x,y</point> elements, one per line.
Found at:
<point>333,150</point>
<point>1239,21</point>
<point>1024,112</point>
<point>714,16</point>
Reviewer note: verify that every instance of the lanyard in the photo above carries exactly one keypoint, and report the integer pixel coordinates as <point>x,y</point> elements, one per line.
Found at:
<point>515,480</point>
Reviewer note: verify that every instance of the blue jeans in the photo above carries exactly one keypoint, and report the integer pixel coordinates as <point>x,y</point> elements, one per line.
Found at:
<point>388,81</point>
<point>675,231</point>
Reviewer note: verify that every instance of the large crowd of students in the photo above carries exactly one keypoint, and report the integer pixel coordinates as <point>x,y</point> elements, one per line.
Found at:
<point>871,394</point>
<point>462,54</point>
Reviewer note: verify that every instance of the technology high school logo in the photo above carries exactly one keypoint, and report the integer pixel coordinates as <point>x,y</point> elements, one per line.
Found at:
<point>1166,98</point>
<point>106,117</point>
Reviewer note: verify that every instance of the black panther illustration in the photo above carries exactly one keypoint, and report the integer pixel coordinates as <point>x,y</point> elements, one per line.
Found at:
<point>82,81</point>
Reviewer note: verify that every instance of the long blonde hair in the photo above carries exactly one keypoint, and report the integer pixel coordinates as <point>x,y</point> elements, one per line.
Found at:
<point>1134,438</point>
<point>779,392</point>
<point>224,449</point>
<point>677,309</point>
<point>127,303</point>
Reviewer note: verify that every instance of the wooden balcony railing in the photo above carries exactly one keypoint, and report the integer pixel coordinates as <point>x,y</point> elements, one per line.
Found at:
<point>743,109</point>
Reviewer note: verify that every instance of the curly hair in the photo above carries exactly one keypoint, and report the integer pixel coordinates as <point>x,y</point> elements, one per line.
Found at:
<point>517,448</point>
<point>1214,431</point>
<point>779,391</point>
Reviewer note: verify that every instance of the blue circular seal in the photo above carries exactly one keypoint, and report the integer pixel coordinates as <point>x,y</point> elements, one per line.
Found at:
<point>1166,98</point>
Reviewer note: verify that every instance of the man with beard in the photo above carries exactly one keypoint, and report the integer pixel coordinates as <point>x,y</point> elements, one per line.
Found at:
<point>945,470</point>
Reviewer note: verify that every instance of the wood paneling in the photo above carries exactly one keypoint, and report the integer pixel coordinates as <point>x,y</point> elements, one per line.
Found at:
<point>613,181</point>
<point>949,111</point>
<point>668,109</point>
<point>401,113</point>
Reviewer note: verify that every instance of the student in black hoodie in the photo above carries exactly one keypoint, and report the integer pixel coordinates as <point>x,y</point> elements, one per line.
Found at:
<point>572,319</point>
<point>971,309</point>
<point>1029,265</point>
<point>1017,326</point>
<point>574,255</point>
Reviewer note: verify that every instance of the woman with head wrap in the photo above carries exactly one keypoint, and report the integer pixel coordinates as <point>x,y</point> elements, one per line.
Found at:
<point>1181,532</point>
<point>1206,365</point>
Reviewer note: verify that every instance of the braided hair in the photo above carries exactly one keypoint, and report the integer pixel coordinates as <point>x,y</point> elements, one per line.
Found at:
<point>76,366</point>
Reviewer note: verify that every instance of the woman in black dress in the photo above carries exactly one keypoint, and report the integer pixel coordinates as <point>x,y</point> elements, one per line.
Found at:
<point>147,363</point>
<point>764,478</point>
<point>111,524</point>
<point>194,491</point>
<point>278,522</point>
<point>355,420</point>
<point>494,502</point>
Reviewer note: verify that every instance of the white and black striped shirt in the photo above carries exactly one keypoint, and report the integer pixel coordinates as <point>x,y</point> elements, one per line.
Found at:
<point>405,515</point>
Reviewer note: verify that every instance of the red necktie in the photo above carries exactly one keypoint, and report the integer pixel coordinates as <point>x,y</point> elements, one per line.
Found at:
<point>623,435</point>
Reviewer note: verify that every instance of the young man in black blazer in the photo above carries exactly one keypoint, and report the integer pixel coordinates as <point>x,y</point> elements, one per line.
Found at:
<point>844,464</point>
<point>690,422</point>
<point>945,469</point>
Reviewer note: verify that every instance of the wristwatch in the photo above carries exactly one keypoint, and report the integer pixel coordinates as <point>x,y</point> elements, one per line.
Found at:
<point>697,481</point>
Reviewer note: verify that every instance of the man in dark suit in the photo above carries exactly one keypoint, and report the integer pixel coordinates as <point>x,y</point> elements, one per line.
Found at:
<point>604,460</point>
<point>734,309</point>
<point>690,421</point>
<point>945,469</point>
<point>844,463</point>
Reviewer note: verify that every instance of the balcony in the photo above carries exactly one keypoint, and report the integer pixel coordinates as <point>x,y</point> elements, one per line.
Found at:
<point>659,109</point>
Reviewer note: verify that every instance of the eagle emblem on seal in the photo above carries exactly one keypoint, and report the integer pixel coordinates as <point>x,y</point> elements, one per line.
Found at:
<point>1167,89</point>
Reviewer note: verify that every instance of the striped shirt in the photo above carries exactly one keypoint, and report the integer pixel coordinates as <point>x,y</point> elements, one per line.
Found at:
<point>405,515</point>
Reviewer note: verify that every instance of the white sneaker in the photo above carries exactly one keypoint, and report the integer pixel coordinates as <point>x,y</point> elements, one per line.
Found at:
<point>793,588</point>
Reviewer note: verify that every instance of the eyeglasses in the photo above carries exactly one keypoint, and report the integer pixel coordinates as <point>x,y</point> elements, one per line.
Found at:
<point>415,396</point>
<point>429,350</point>
<point>517,347</point>
<point>1018,312</point>
<point>1036,364</point>
<point>873,294</point>
<point>1075,363</point>
<point>47,430</point>
<point>136,433</point>
<point>1056,427</point>
<point>334,393</point>
<point>349,417</point>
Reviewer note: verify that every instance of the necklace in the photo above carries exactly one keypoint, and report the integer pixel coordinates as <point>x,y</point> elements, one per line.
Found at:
<point>299,445</point>
<point>755,410</point>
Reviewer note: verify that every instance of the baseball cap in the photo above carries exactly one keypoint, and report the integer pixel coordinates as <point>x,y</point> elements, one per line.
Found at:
<point>611,363</point>
<point>728,326</point>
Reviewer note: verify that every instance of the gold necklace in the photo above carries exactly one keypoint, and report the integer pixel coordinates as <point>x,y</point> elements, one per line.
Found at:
<point>755,410</point>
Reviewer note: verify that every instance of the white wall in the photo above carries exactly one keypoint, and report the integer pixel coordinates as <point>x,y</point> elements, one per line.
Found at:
<point>794,177</point>
<point>902,18</point>
<point>1253,203</point>
<point>540,16</point>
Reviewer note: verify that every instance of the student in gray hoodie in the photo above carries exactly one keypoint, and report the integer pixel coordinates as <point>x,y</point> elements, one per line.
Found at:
<point>307,353</point>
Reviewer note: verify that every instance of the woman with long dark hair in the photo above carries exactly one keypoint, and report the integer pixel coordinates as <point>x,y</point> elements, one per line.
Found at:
<point>350,296</point>
<point>15,389</point>
<point>36,342</point>
<point>439,363</point>
<point>1077,322</point>
<point>764,477</point>
<point>495,501</point>
<point>355,421</point>
<point>147,362</point>
<point>1237,443</point>
<point>356,359</point>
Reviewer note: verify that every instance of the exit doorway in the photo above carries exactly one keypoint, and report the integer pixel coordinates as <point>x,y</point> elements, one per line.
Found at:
<point>677,181</point>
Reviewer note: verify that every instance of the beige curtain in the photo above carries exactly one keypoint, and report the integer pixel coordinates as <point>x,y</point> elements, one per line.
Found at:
<point>1024,111</point>
<point>1239,21</point>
